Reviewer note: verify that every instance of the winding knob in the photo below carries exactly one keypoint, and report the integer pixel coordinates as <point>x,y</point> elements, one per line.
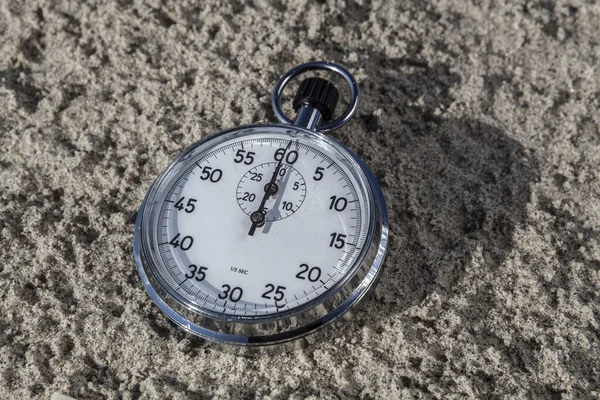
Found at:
<point>317,93</point>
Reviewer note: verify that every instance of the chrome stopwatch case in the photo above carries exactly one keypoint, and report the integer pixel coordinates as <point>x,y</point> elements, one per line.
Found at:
<point>265,233</point>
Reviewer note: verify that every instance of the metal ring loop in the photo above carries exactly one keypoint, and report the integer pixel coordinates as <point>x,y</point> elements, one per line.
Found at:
<point>311,66</point>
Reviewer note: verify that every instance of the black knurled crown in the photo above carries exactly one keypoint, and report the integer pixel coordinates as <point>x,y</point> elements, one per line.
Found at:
<point>318,93</point>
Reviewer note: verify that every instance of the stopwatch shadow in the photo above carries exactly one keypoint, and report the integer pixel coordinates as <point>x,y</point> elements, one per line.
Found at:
<point>456,189</point>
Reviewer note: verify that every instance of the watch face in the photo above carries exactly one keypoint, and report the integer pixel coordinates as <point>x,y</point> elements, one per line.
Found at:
<point>258,224</point>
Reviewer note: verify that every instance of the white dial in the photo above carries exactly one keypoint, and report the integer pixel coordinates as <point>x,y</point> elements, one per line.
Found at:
<point>210,254</point>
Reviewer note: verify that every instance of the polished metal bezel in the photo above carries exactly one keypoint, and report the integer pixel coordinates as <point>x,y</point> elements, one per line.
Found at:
<point>276,328</point>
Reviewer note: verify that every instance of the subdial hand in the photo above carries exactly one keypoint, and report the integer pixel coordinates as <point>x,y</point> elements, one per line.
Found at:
<point>259,216</point>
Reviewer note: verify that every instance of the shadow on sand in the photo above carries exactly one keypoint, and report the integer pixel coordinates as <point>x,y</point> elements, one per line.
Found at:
<point>452,185</point>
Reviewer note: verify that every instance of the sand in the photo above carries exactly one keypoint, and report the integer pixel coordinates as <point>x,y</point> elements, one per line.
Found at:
<point>481,122</point>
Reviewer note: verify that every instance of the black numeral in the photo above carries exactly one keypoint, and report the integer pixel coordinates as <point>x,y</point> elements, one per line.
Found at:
<point>314,273</point>
<point>185,243</point>
<point>296,185</point>
<point>286,205</point>
<point>290,158</point>
<point>318,173</point>
<point>256,176</point>
<point>196,273</point>
<point>248,159</point>
<point>279,154</point>
<point>279,295</point>
<point>338,203</point>
<point>189,207</point>
<point>234,294</point>
<point>249,197</point>
<point>337,240</point>
<point>214,176</point>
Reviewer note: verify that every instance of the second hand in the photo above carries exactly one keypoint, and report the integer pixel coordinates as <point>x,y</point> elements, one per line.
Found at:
<point>258,217</point>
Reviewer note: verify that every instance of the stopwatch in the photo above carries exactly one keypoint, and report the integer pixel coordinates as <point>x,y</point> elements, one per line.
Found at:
<point>265,233</point>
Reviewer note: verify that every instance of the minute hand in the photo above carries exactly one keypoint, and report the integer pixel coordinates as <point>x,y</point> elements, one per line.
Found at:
<point>267,192</point>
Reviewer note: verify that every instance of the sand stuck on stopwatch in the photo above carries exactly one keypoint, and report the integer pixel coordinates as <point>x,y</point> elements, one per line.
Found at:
<point>480,121</point>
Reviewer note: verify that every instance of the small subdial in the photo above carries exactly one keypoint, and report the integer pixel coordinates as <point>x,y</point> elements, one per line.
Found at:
<point>286,195</point>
